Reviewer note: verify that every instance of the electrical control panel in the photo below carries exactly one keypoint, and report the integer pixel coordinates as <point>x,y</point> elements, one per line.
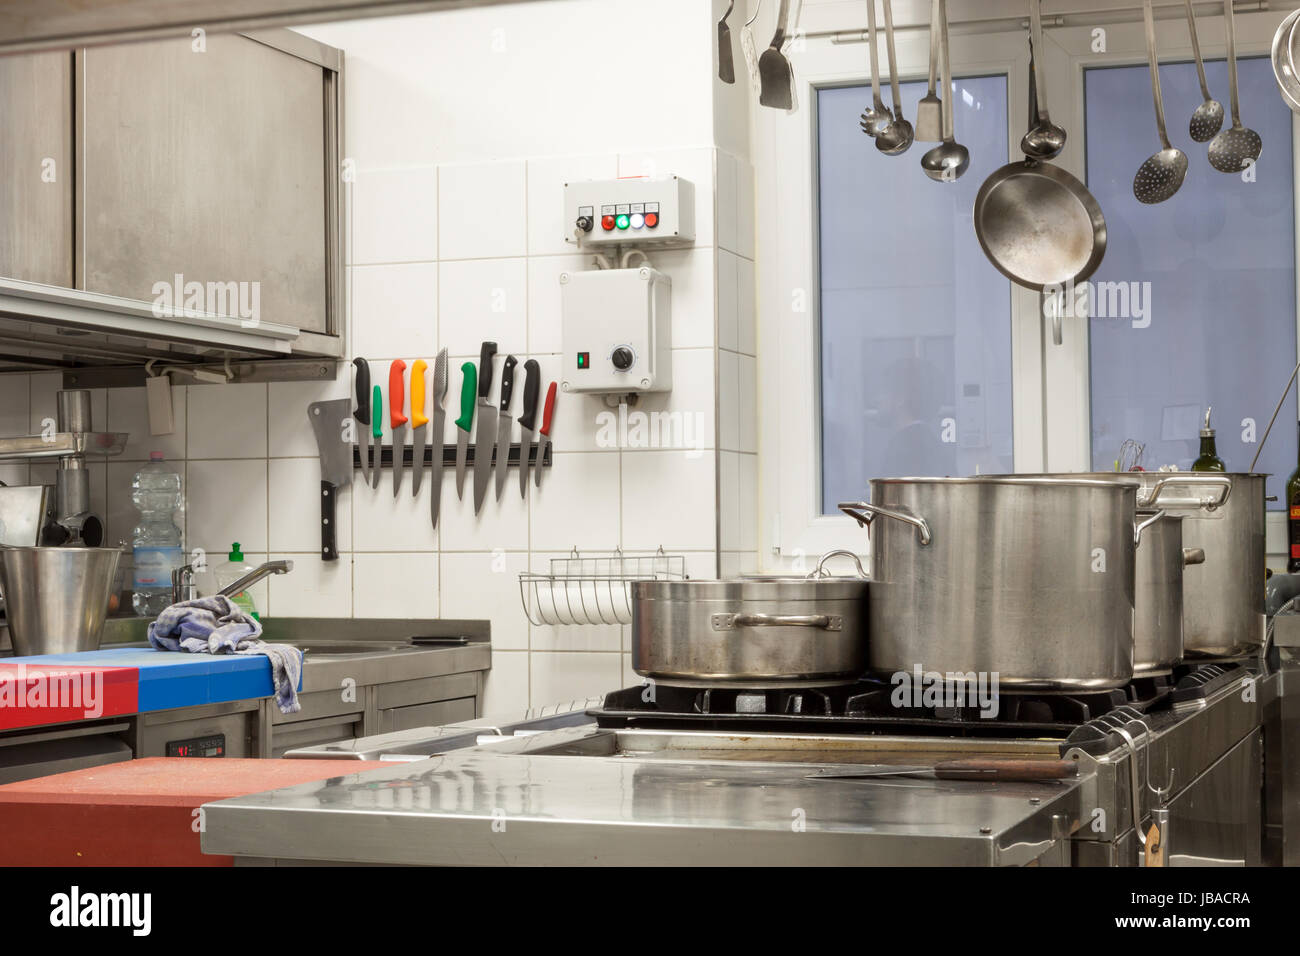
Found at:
<point>634,212</point>
<point>616,331</point>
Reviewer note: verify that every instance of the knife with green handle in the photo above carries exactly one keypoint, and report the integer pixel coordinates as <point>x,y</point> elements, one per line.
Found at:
<point>377,424</point>
<point>528,420</point>
<point>468,391</point>
<point>436,437</point>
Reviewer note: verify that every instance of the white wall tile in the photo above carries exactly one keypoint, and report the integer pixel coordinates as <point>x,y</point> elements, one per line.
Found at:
<point>630,677</point>
<point>746,319</point>
<point>478,585</point>
<point>728,303</point>
<point>314,588</point>
<point>692,274</point>
<point>395,585</point>
<point>395,311</point>
<point>544,328</point>
<point>578,503</point>
<point>728,217</point>
<point>685,415</point>
<point>395,215</point>
<point>289,431</point>
<point>15,472</point>
<point>505,693</point>
<point>498,525</point>
<point>546,178</point>
<point>227,421</point>
<point>482,211</point>
<point>14,419</point>
<point>382,522</point>
<point>747,403</point>
<point>294,507</point>
<point>560,677</point>
<point>729,506</point>
<point>669,499</point>
<point>225,502</point>
<point>729,400</point>
<point>128,411</point>
<point>695,165</point>
<point>484,300</point>
<point>578,416</point>
<point>120,516</point>
<point>745,234</point>
<point>747,480</point>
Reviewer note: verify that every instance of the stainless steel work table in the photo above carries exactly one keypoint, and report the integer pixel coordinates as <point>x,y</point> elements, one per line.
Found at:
<point>590,796</point>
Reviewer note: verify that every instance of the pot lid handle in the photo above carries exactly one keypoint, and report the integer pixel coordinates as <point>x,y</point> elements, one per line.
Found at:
<point>821,572</point>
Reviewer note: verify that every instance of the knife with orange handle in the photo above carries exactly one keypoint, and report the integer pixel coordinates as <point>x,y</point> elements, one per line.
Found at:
<point>544,436</point>
<point>396,401</point>
<point>418,421</point>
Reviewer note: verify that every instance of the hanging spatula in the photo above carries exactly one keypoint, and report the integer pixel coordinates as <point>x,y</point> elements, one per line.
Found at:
<point>929,111</point>
<point>726,63</point>
<point>774,72</point>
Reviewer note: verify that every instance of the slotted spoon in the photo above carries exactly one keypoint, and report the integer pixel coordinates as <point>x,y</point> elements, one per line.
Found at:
<point>1160,176</point>
<point>1208,117</point>
<point>1237,147</point>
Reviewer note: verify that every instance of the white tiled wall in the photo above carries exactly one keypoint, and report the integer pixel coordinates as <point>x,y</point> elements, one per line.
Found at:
<point>455,236</point>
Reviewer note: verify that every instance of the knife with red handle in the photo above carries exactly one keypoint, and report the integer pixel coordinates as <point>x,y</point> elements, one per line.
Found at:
<point>544,436</point>
<point>396,401</point>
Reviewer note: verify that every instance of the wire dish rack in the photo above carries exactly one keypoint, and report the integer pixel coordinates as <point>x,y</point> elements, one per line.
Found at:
<point>593,589</point>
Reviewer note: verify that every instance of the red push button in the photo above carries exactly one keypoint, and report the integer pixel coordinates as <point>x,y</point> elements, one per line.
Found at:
<point>607,223</point>
<point>651,220</point>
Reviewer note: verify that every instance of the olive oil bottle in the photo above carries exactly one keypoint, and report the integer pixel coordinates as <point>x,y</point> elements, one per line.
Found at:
<point>1293,521</point>
<point>1209,459</point>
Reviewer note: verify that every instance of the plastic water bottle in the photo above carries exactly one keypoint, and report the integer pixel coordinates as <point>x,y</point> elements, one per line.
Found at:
<point>156,540</point>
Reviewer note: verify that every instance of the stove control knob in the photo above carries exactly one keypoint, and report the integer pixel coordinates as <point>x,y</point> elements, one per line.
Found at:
<point>622,358</point>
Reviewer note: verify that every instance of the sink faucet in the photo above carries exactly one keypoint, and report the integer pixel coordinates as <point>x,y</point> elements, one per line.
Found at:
<point>183,580</point>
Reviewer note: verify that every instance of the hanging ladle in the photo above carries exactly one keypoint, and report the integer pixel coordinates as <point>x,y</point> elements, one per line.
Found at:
<point>1162,174</point>
<point>875,117</point>
<point>895,138</point>
<point>946,162</point>
<point>1043,140</point>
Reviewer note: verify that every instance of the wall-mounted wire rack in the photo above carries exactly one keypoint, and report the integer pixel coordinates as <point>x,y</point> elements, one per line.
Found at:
<point>595,588</point>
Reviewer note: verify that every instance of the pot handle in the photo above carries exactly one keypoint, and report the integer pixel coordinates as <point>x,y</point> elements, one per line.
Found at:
<point>825,622</point>
<point>864,513</point>
<point>1143,525</point>
<point>1181,478</point>
<point>1193,556</point>
<point>821,572</point>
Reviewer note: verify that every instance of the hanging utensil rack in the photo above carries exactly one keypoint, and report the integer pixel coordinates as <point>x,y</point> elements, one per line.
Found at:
<point>593,589</point>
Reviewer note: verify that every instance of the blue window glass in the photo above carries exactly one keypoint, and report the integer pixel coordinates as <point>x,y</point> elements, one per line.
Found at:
<point>915,324</point>
<point>1209,275</point>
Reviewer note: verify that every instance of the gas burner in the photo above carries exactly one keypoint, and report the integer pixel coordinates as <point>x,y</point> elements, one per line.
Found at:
<point>869,707</point>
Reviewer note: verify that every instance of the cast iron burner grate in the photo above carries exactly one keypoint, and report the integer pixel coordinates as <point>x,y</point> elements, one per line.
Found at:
<point>866,708</point>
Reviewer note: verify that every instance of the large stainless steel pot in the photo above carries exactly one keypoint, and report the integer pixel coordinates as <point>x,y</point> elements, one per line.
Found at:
<point>1223,599</point>
<point>56,599</point>
<point>751,632</point>
<point>1158,602</point>
<point>1031,580</point>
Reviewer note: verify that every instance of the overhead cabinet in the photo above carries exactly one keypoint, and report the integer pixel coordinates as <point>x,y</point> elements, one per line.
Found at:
<point>203,192</point>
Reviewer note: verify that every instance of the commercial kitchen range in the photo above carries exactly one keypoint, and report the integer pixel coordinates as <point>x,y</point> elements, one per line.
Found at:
<point>727,777</point>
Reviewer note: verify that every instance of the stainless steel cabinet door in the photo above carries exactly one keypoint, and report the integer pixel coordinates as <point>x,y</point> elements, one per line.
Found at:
<point>210,165</point>
<point>36,172</point>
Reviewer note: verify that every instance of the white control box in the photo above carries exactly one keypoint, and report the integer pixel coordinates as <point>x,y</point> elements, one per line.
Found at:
<point>634,212</point>
<point>616,331</point>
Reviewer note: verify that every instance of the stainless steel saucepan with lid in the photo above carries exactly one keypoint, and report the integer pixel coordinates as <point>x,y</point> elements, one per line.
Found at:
<point>760,631</point>
<point>1031,580</point>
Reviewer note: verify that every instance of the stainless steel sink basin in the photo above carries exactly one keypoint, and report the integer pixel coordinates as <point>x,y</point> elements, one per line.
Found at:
<point>329,648</point>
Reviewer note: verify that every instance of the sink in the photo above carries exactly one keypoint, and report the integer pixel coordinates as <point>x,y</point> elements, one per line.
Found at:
<point>340,648</point>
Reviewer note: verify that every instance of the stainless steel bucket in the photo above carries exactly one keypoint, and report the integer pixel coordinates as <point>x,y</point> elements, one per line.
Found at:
<point>750,632</point>
<point>1031,580</point>
<point>1223,599</point>
<point>56,599</point>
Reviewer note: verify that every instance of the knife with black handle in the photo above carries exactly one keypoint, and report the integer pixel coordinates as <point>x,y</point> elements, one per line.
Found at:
<point>486,434</point>
<point>504,421</point>
<point>362,416</point>
<point>528,420</point>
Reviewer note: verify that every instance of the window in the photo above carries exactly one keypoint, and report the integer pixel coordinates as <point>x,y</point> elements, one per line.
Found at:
<point>1204,284</point>
<point>915,331</point>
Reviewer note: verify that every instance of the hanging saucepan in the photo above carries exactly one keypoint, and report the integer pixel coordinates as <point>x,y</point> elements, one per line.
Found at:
<point>1037,224</point>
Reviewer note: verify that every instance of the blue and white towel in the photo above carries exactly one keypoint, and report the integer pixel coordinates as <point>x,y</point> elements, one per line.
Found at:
<point>216,625</point>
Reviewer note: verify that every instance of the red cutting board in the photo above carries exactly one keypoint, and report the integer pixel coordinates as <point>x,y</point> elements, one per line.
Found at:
<point>141,812</point>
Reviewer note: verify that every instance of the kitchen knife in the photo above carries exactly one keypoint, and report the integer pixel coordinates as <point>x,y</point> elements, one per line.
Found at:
<point>486,435</point>
<point>418,421</point>
<point>528,419</point>
<point>328,421</point>
<point>504,421</point>
<point>396,400</point>
<point>436,438</point>
<point>377,424</point>
<point>994,769</point>
<point>468,391</point>
<point>544,438</point>
<point>362,416</point>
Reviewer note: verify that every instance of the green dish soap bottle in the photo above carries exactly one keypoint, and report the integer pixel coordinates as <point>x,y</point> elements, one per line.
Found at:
<point>1209,459</point>
<point>230,572</point>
